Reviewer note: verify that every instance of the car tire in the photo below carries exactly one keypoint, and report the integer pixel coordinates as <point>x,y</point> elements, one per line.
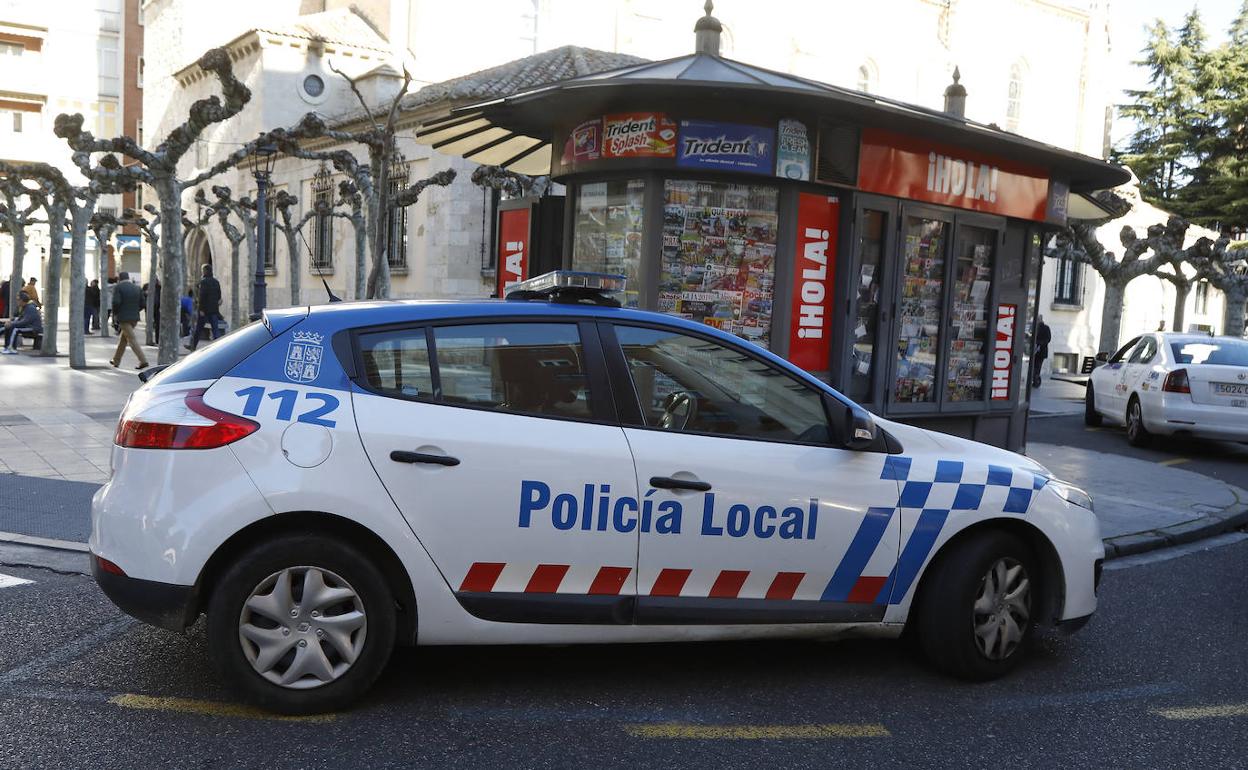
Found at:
<point>259,651</point>
<point>1137,434</point>
<point>976,606</point>
<point>1091,417</point>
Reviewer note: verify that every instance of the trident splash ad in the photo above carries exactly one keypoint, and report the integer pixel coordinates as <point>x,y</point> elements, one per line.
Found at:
<point>638,135</point>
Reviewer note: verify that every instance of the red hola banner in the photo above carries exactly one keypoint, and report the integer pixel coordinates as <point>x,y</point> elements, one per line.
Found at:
<point>814,267</point>
<point>513,247</point>
<point>1003,351</point>
<point>911,167</point>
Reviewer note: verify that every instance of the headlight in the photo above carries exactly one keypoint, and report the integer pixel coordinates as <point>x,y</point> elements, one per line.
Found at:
<point>1071,493</point>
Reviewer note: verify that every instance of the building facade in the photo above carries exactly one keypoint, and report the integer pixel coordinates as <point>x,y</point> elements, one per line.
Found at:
<point>57,56</point>
<point>444,246</point>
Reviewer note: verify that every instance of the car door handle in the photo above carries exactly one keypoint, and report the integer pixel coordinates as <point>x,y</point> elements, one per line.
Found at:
<point>667,482</point>
<point>402,456</point>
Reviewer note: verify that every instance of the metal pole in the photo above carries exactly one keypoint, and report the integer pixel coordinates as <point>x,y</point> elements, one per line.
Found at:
<point>258,299</point>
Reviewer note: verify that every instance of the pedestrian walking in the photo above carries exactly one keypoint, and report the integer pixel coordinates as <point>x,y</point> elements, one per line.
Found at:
<point>127,300</point>
<point>187,310</point>
<point>1043,337</point>
<point>209,293</point>
<point>27,321</point>
<point>91,307</point>
<point>32,292</point>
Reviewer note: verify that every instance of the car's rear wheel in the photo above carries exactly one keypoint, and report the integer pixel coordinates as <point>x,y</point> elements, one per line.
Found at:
<point>301,624</point>
<point>976,606</point>
<point>1137,434</point>
<point>1091,417</point>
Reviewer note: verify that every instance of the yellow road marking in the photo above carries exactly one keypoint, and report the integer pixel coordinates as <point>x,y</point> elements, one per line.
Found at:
<point>207,708</point>
<point>1093,430</point>
<point>1175,461</point>
<point>757,732</point>
<point>1205,712</point>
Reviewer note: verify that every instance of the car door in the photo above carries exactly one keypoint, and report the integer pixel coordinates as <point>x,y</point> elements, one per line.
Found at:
<point>1107,380</point>
<point>1134,370</point>
<point>498,442</point>
<point>748,513</point>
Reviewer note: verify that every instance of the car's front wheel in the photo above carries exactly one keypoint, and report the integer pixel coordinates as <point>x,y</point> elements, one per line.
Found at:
<point>1137,434</point>
<point>301,624</point>
<point>1091,417</point>
<point>976,606</point>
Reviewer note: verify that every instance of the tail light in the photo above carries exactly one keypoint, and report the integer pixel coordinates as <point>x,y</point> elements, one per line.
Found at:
<point>107,566</point>
<point>178,420</point>
<point>1177,382</point>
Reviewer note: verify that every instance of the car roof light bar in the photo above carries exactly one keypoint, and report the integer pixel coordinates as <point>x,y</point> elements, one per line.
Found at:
<point>570,286</point>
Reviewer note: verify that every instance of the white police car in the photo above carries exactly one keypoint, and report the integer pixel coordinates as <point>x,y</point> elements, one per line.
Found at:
<point>340,479</point>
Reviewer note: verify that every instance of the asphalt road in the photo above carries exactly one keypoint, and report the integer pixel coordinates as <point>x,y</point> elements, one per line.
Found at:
<point>1223,460</point>
<point>1157,679</point>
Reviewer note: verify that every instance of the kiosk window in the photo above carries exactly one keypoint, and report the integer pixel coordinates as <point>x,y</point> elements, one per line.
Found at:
<point>719,253</point>
<point>968,319</point>
<point>692,384</point>
<point>607,231</point>
<point>867,308</point>
<point>919,312</point>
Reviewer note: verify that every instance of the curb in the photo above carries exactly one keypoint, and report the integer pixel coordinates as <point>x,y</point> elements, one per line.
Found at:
<point>43,542</point>
<point>1210,525</point>
<point>1045,415</point>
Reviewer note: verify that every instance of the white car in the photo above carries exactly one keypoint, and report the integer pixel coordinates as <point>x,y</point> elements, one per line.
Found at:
<point>337,480</point>
<point>1170,384</point>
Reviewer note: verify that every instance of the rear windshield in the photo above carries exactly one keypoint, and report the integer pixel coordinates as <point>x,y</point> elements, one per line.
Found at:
<point>1224,352</point>
<point>214,361</point>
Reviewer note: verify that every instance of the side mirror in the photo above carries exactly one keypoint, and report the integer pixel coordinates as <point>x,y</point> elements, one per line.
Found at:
<point>151,372</point>
<point>1103,356</point>
<point>860,430</point>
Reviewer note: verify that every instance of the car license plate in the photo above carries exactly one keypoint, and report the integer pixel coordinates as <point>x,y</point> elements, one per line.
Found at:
<point>1230,388</point>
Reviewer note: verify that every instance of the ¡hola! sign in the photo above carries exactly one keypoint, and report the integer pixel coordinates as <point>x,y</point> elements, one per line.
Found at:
<point>1003,351</point>
<point>911,167</point>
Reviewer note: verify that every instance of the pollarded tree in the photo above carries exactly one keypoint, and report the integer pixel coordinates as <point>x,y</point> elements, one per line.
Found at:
<point>1079,242</point>
<point>158,169</point>
<point>21,202</point>
<point>1227,270</point>
<point>510,182</point>
<point>150,230</point>
<point>103,225</point>
<point>349,197</point>
<point>222,209</point>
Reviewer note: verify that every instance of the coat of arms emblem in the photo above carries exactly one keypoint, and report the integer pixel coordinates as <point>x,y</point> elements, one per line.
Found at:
<point>303,357</point>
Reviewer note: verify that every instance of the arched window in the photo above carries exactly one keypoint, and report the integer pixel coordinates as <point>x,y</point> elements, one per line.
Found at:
<point>867,77</point>
<point>1014,96</point>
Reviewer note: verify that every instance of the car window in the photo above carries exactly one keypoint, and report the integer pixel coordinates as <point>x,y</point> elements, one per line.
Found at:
<point>1123,351</point>
<point>1143,352</point>
<point>397,362</point>
<point>216,360</point>
<point>1211,351</point>
<point>532,368</point>
<point>695,385</point>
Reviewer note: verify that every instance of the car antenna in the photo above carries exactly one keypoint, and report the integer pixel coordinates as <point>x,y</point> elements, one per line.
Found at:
<point>332,297</point>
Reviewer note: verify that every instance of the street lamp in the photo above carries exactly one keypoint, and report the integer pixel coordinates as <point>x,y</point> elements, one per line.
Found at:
<point>262,168</point>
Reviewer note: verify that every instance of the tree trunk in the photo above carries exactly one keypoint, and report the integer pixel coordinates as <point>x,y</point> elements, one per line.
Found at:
<point>361,256</point>
<point>1181,290</point>
<point>376,221</point>
<point>236,318</point>
<point>253,254</point>
<point>1111,315</point>
<point>106,289</point>
<point>153,278</point>
<point>52,292</point>
<point>80,220</point>
<point>16,281</point>
<point>1233,317</point>
<point>172,259</point>
<point>296,278</point>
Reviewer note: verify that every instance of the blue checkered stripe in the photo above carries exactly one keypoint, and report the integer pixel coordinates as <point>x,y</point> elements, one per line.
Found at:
<point>953,485</point>
<point>931,490</point>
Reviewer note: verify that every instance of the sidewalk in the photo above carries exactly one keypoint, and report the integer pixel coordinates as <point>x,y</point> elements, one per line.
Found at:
<point>1056,397</point>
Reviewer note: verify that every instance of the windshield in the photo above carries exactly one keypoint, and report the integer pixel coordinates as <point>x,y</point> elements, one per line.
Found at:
<point>1223,352</point>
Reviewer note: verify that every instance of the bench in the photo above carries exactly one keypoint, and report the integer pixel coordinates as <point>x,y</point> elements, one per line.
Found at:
<point>35,337</point>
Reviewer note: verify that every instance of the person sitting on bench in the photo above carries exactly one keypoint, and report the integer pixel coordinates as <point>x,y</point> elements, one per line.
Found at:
<point>27,322</point>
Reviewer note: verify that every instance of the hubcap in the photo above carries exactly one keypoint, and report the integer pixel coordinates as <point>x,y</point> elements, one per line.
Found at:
<point>1133,418</point>
<point>1002,609</point>
<point>302,627</point>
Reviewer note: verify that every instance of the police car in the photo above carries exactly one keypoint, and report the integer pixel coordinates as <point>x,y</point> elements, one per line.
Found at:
<point>552,468</point>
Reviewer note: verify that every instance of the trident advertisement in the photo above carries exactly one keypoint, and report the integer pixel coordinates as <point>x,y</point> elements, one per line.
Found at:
<point>726,146</point>
<point>912,167</point>
<point>810,324</point>
<point>638,135</point>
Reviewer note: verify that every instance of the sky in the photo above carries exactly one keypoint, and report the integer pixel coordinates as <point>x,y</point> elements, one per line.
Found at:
<point>1129,22</point>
